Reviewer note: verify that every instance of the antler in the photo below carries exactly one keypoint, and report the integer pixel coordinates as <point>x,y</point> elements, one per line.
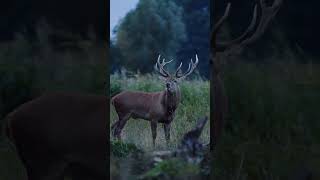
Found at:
<point>161,70</point>
<point>267,14</point>
<point>220,98</point>
<point>192,66</point>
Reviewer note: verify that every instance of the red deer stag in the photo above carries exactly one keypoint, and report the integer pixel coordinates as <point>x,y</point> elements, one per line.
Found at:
<point>156,107</point>
<point>61,132</point>
<point>221,50</point>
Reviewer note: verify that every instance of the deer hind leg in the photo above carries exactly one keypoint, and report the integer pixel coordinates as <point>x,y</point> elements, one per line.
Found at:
<point>154,132</point>
<point>114,125</point>
<point>119,125</point>
<point>166,128</point>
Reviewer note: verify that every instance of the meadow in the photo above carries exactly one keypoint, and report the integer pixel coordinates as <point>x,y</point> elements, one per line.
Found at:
<point>195,103</point>
<point>272,128</point>
<point>271,132</point>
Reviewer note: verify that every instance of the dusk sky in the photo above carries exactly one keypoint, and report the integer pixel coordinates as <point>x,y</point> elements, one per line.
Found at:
<point>118,9</point>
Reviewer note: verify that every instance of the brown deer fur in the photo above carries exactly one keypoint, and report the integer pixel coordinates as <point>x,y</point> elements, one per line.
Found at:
<point>60,131</point>
<point>156,107</point>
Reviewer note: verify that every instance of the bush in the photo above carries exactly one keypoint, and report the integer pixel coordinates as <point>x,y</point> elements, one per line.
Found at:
<point>120,149</point>
<point>172,168</point>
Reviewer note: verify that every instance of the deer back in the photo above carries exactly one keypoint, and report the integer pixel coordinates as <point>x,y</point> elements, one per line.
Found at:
<point>139,104</point>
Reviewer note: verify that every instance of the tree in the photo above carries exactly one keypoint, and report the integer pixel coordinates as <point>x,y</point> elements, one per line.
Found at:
<point>196,16</point>
<point>153,27</point>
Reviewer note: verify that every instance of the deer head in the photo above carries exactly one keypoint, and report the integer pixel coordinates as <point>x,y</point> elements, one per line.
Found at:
<point>156,107</point>
<point>171,81</point>
<point>251,34</point>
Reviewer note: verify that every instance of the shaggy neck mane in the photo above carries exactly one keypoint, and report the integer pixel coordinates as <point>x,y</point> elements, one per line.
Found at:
<point>171,101</point>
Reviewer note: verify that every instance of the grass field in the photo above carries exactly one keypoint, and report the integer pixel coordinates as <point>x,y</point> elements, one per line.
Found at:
<point>272,129</point>
<point>195,103</point>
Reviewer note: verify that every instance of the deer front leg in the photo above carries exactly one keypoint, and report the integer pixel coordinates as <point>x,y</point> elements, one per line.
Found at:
<point>154,132</point>
<point>166,128</point>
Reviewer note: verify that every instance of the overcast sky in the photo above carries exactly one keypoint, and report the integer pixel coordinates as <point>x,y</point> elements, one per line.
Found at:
<point>118,9</point>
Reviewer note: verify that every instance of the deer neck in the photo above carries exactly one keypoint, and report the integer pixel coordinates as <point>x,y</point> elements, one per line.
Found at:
<point>171,100</point>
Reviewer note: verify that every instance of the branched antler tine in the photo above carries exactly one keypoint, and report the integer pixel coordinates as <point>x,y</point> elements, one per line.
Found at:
<point>267,15</point>
<point>224,45</point>
<point>189,67</point>
<point>160,70</point>
<point>163,64</point>
<point>220,22</point>
<point>177,71</point>
<point>192,66</point>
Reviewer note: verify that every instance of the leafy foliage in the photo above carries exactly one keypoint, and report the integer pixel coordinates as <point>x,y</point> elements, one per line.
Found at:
<point>121,149</point>
<point>175,29</point>
<point>153,27</point>
<point>196,16</point>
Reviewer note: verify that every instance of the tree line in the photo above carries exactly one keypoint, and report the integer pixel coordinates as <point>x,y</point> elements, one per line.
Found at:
<point>175,29</point>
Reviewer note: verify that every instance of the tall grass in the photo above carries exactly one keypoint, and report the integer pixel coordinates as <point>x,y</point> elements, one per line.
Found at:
<point>194,104</point>
<point>30,67</point>
<point>272,130</point>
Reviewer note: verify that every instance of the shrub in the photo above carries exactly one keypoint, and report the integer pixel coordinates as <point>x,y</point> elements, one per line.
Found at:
<point>121,149</point>
<point>172,168</point>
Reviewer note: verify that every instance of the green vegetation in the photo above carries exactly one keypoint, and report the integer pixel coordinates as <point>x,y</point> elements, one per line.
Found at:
<point>172,168</point>
<point>167,27</point>
<point>153,27</point>
<point>10,166</point>
<point>272,131</point>
<point>29,68</point>
<point>194,104</point>
<point>120,149</point>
